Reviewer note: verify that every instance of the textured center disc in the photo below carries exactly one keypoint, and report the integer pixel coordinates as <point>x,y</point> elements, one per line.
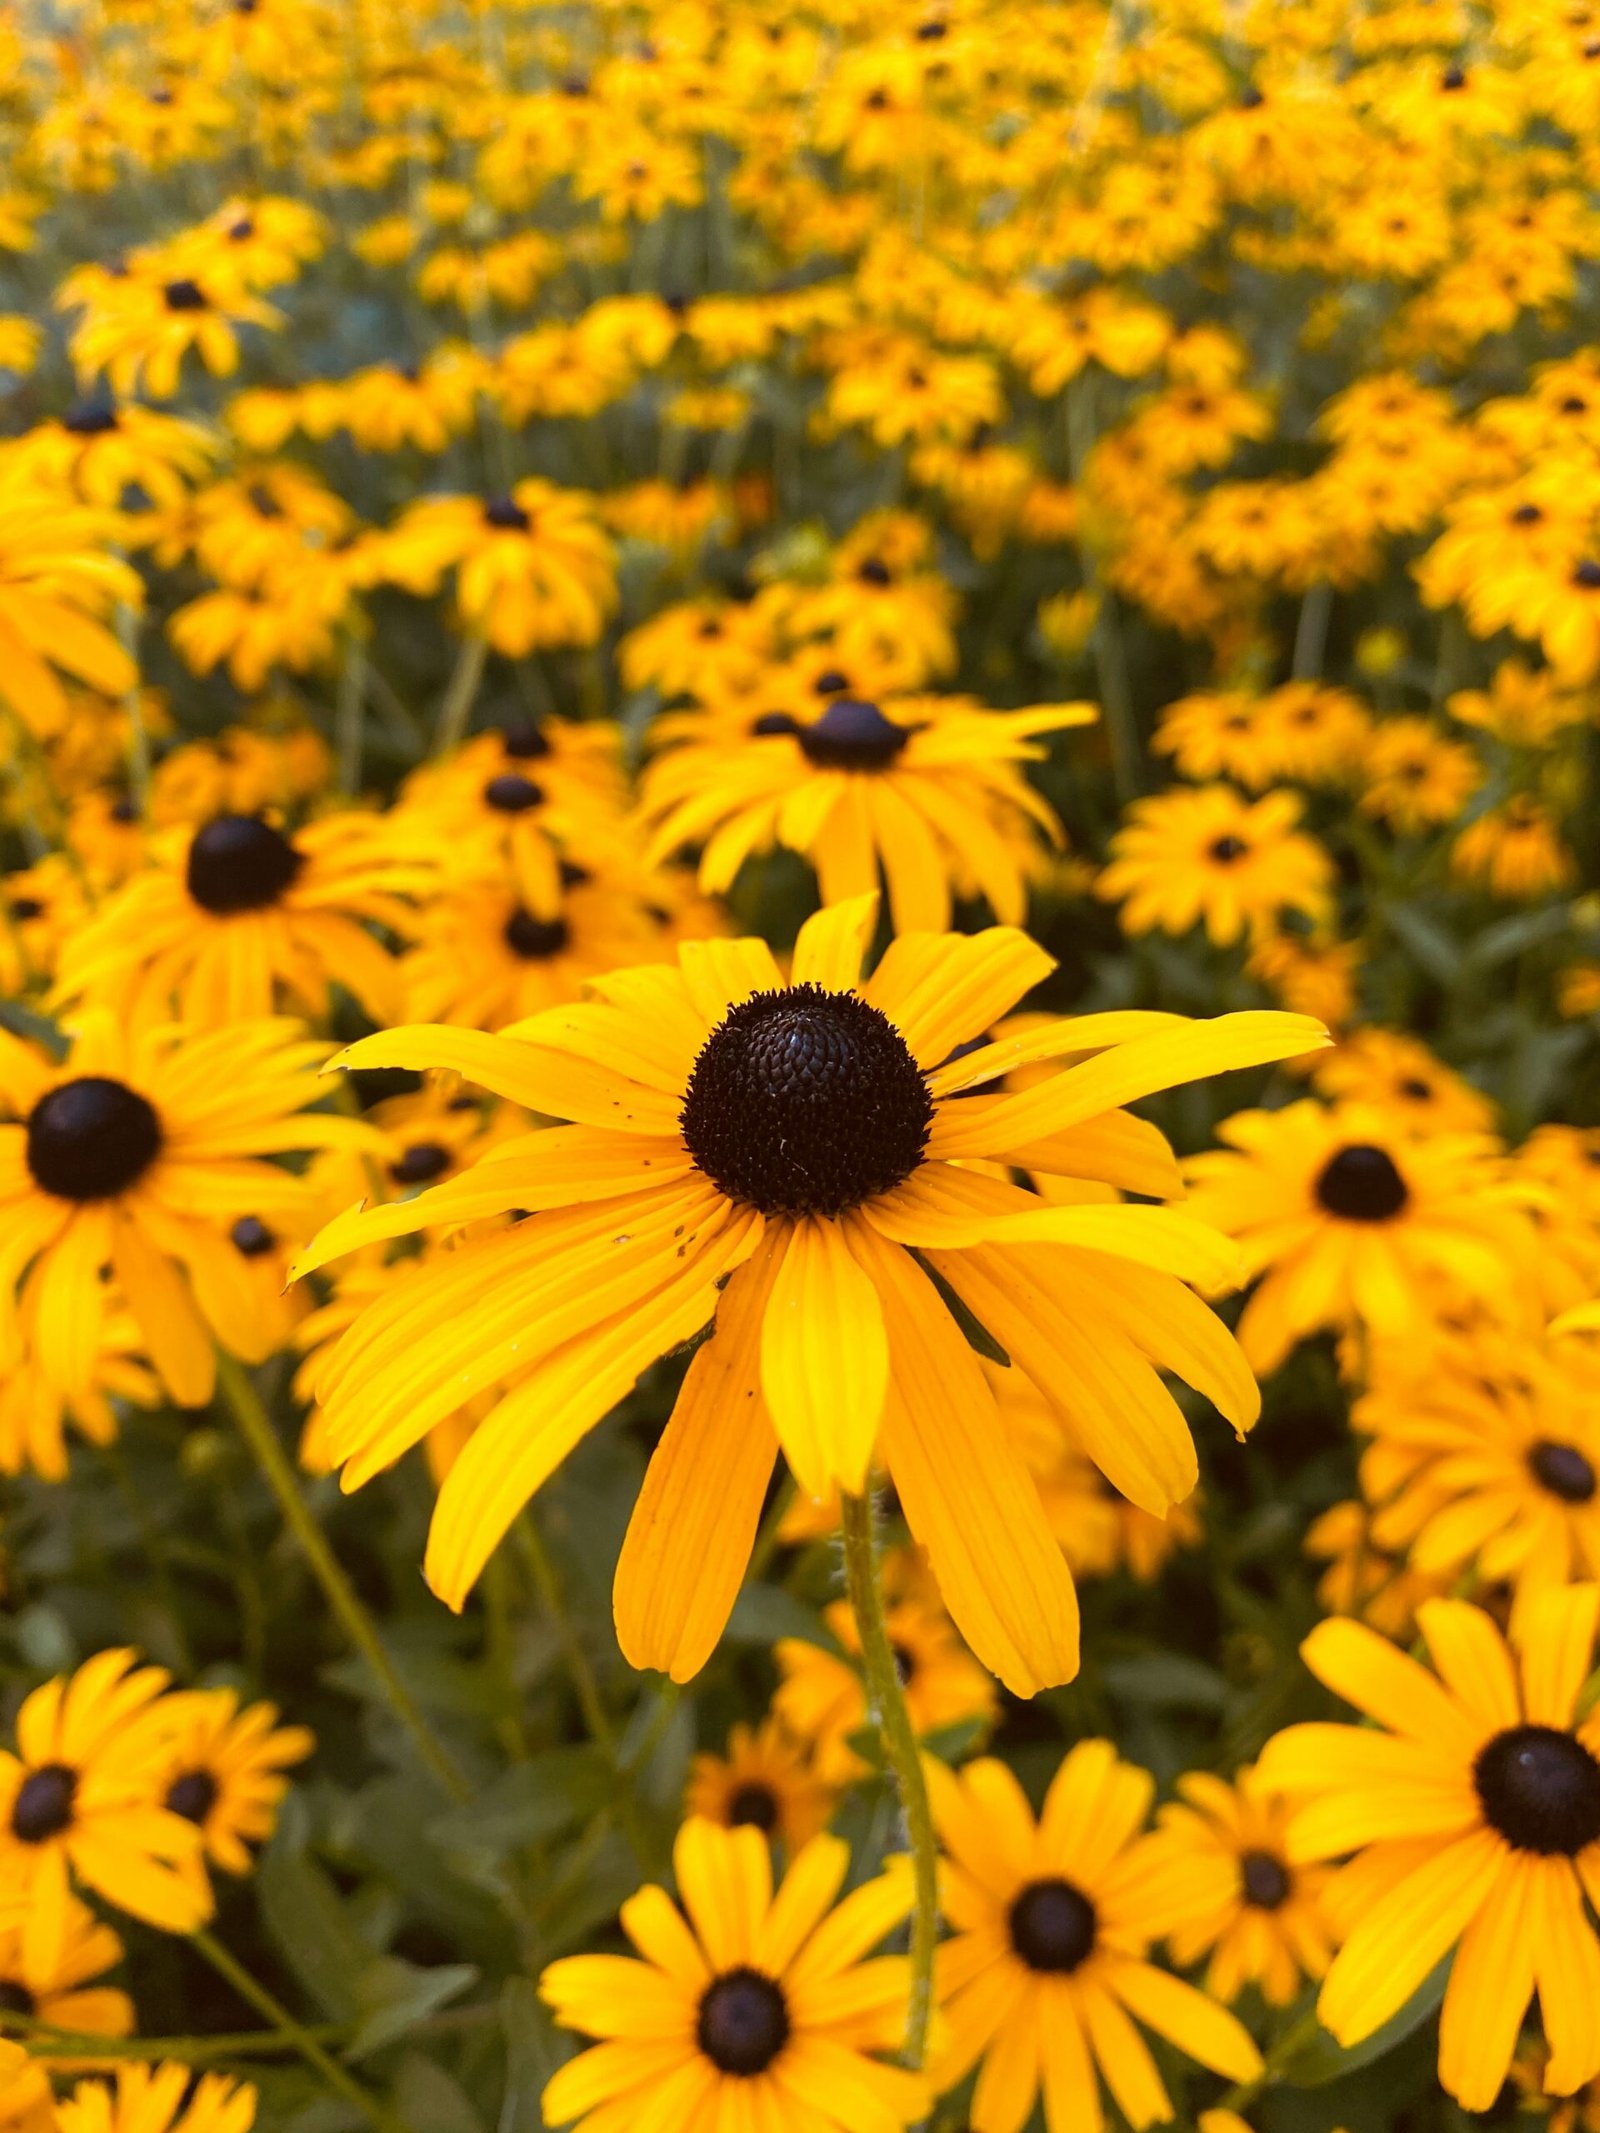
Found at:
<point>193,1795</point>
<point>535,940</point>
<point>240,863</point>
<point>1052,1926</point>
<point>852,735</point>
<point>1563,1470</point>
<point>1265,1879</point>
<point>1541,1789</point>
<point>91,1138</point>
<point>44,1802</point>
<point>753,1806</point>
<point>743,2023</point>
<point>1361,1184</point>
<point>806,1102</point>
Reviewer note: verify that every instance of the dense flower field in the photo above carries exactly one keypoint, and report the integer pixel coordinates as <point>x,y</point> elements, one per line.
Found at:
<point>799,1090</point>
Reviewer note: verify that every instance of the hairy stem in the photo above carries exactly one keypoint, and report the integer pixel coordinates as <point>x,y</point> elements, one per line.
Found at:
<point>893,1720</point>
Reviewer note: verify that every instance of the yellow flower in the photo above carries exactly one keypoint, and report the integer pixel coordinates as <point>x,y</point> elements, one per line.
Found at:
<point>749,2003</point>
<point>58,580</point>
<point>158,2099</point>
<point>764,1781</point>
<point>139,1150</point>
<point>1214,858</point>
<point>239,917</point>
<point>800,1137</point>
<point>1399,1074</point>
<point>1053,1920</point>
<point>822,1700</point>
<point>1514,851</point>
<point>1473,1809</point>
<point>224,1770</point>
<point>533,568</point>
<point>82,1798</point>
<point>1265,1923</point>
<point>1353,1219</point>
<point>931,789</point>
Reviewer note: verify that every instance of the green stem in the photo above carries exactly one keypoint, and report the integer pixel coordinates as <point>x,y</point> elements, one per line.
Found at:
<point>43,2042</point>
<point>272,2010</point>
<point>543,1573</point>
<point>1289,2046</point>
<point>888,1705</point>
<point>1311,631</point>
<point>257,1430</point>
<point>460,692</point>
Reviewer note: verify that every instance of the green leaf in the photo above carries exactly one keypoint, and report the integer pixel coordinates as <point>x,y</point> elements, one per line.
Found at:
<point>534,2049</point>
<point>1165,1680</point>
<point>1322,2060</point>
<point>527,1804</point>
<point>1427,944</point>
<point>310,1927</point>
<point>394,1994</point>
<point>425,2095</point>
<point>764,1613</point>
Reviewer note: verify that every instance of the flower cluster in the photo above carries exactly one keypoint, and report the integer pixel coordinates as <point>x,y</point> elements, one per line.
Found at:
<point>799,1067</point>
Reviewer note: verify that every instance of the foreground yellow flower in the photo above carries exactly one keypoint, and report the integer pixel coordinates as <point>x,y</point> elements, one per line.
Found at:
<point>1475,1813</point>
<point>1052,1922</point>
<point>755,2010</point>
<point>769,1154</point>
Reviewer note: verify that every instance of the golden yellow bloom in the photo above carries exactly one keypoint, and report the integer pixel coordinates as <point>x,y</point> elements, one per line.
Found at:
<point>1211,857</point>
<point>532,568</point>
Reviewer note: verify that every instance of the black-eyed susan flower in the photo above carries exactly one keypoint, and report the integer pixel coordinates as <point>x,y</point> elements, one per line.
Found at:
<point>64,1991</point>
<point>749,2004</point>
<point>822,1699</point>
<point>1351,1218</point>
<point>1047,1975</point>
<point>1472,1809</point>
<point>931,790</point>
<point>1413,777</point>
<point>768,1152</point>
<point>1398,1073</point>
<point>59,581</point>
<point>35,1411</point>
<point>1515,851</point>
<point>1265,1923</point>
<point>81,1800</point>
<point>138,1152</point>
<point>763,1780</point>
<point>166,2098</point>
<point>1488,1462</point>
<point>1210,857</point>
<point>242,916</point>
<point>225,1770</point>
<point>532,568</point>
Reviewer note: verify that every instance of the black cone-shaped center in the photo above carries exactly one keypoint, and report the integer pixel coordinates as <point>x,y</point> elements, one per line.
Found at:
<point>1541,1789</point>
<point>240,863</point>
<point>506,515</point>
<point>754,1806</point>
<point>91,1138</point>
<point>1563,1470</point>
<point>806,1102</point>
<point>1361,1184</point>
<point>44,1803</point>
<point>193,1795</point>
<point>1052,1926</point>
<point>15,1998</point>
<point>1265,1880</point>
<point>525,740</point>
<point>1225,850</point>
<point>743,2022</point>
<point>512,794</point>
<point>251,1237</point>
<point>420,1164</point>
<point>852,735</point>
<point>534,939</point>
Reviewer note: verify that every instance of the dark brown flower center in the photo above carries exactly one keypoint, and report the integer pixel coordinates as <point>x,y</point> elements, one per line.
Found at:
<point>806,1102</point>
<point>754,1806</point>
<point>512,794</point>
<point>251,1237</point>
<point>240,863</point>
<point>852,734</point>
<point>1563,1470</point>
<point>44,1803</point>
<point>1541,1789</point>
<point>193,1795</point>
<point>535,940</point>
<point>420,1164</point>
<point>1052,1926</point>
<point>1265,1880</point>
<point>743,2022</point>
<point>91,1138</point>
<point>1361,1184</point>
